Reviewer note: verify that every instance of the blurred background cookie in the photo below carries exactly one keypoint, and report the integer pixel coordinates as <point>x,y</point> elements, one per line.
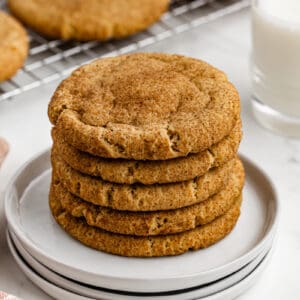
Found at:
<point>3,149</point>
<point>85,20</point>
<point>13,46</point>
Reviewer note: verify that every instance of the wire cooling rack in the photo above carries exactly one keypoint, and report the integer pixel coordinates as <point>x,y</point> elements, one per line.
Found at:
<point>50,60</point>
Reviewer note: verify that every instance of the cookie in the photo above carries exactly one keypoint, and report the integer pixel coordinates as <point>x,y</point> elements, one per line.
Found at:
<point>13,46</point>
<point>4,148</point>
<point>150,172</point>
<point>145,106</point>
<point>140,197</point>
<point>161,245</point>
<point>151,223</point>
<point>85,20</point>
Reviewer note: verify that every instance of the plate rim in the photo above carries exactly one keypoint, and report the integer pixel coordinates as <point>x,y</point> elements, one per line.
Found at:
<point>41,255</point>
<point>20,261</point>
<point>69,284</point>
<point>237,289</point>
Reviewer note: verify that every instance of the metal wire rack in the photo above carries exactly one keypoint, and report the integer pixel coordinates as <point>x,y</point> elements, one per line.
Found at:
<point>50,60</point>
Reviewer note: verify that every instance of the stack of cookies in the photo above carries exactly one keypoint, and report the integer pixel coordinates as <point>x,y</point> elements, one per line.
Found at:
<point>145,155</point>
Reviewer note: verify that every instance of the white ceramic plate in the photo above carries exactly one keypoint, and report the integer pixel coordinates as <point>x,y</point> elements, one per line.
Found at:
<point>46,286</point>
<point>28,215</point>
<point>65,294</point>
<point>99,293</point>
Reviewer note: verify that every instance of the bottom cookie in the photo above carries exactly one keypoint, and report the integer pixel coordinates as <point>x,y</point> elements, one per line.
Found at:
<point>126,245</point>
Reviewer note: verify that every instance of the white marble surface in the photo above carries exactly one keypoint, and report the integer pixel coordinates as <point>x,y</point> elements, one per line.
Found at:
<point>226,44</point>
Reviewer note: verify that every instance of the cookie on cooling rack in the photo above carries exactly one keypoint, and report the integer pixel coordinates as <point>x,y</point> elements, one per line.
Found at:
<point>13,46</point>
<point>84,20</point>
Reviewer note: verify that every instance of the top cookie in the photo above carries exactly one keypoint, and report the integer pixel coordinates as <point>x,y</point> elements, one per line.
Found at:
<point>145,106</point>
<point>88,19</point>
<point>13,46</point>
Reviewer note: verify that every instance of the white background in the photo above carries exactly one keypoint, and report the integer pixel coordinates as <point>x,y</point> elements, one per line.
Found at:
<point>226,44</point>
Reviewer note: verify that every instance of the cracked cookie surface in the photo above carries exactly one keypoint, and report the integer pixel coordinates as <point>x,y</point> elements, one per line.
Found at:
<point>139,197</point>
<point>13,46</point>
<point>88,19</point>
<point>151,223</point>
<point>162,245</point>
<point>150,172</point>
<point>145,106</point>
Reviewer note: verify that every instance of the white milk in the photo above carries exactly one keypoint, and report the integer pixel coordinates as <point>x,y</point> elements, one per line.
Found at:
<point>276,54</point>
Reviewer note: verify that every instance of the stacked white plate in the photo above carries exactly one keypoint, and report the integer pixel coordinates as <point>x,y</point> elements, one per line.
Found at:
<point>66,269</point>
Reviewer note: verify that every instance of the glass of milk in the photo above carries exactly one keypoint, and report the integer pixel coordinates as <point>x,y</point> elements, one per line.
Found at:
<point>275,65</point>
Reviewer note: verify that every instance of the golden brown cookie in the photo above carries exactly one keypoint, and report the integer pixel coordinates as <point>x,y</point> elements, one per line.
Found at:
<point>145,106</point>
<point>162,245</point>
<point>140,197</point>
<point>13,46</point>
<point>88,19</point>
<point>150,172</point>
<point>4,148</point>
<point>151,223</point>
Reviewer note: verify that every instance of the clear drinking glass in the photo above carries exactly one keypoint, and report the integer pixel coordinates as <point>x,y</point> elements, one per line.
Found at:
<point>275,65</point>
